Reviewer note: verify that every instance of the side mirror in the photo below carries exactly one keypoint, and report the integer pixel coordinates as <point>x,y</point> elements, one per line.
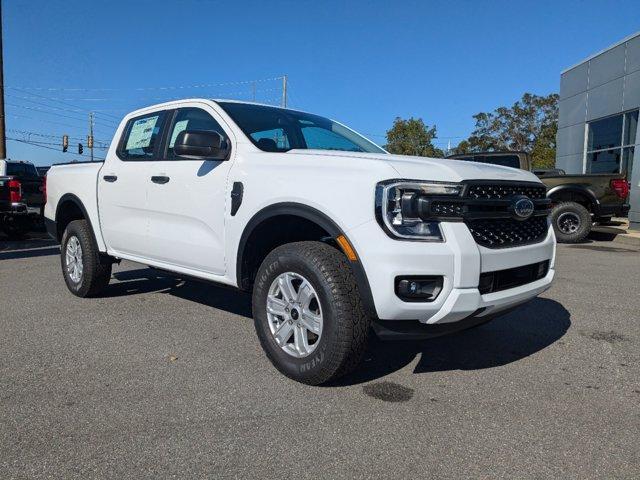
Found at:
<point>200,145</point>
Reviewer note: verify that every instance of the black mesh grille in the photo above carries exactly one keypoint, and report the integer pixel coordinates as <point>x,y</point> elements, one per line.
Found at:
<point>446,209</point>
<point>503,233</point>
<point>495,191</point>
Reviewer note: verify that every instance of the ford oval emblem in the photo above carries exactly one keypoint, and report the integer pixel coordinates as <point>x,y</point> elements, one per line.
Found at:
<point>522,208</point>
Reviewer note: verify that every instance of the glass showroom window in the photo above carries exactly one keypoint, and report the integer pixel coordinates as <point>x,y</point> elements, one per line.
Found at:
<point>611,144</point>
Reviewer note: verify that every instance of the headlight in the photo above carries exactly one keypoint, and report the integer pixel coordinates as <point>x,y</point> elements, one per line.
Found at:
<point>397,208</point>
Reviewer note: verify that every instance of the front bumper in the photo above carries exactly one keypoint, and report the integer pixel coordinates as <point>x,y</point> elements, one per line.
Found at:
<point>459,260</point>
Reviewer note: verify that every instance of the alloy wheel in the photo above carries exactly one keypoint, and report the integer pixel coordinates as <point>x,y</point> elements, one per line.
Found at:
<point>294,314</point>
<point>73,259</point>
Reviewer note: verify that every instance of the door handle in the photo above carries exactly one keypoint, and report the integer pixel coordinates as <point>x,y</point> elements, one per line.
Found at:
<point>110,178</point>
<point>161,179</point>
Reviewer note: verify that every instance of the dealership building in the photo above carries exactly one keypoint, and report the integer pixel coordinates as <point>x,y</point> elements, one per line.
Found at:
<point>598,117</point>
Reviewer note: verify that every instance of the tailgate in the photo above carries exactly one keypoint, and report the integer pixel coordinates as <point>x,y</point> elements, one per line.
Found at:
<point>32,194</point>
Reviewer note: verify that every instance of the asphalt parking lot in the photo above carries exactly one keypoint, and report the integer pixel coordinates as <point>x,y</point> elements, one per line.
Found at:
<point>162,378</point>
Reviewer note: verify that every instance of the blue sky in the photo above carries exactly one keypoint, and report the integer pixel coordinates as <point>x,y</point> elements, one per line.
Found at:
<point>363,63</point>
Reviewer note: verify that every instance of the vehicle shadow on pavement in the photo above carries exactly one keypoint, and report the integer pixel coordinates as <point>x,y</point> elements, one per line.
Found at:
<point>148,280</point>
<point>504,340</point>
<point>27,248</point>
<point>516,335</point>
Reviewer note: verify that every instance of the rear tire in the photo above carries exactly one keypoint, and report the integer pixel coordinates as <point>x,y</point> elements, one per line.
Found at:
<point>86,271</point>
<point>324,273</point>
<point>571,222</point>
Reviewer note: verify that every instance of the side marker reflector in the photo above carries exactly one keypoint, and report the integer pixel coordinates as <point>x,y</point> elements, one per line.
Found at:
<point>347,248</point>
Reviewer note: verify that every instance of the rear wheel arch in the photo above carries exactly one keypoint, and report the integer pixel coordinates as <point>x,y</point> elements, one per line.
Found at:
<point>70,208</point>
<point>574,193</point>
<point>260,237</point>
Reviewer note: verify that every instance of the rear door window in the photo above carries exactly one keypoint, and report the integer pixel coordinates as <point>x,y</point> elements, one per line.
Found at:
<point>142,137</point>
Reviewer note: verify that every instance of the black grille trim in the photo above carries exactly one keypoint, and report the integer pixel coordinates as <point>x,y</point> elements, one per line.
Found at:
<point>499,280</point>
<point>499,190</point>
<point>508,233</point>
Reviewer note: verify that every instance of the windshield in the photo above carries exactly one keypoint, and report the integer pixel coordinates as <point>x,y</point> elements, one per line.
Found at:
<point>274,129</point>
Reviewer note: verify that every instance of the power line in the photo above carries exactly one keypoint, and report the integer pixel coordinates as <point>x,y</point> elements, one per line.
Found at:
<point>41,110</point>
<point>44,146</point>
<point>40,142</point>
<point>43,120</point>
<point>55,100</point>
<point>51,135</point>
<point>171,87</point>
<point>54,108</point>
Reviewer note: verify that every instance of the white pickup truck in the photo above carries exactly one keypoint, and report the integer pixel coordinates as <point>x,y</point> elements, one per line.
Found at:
<point>330,233</point>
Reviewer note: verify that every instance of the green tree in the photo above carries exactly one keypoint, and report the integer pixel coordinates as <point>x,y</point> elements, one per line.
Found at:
<point>412,137</point>
<point>529,125</point>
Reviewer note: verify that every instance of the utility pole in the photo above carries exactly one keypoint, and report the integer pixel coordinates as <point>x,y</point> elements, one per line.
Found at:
<point>284,91</point>
<point>90,138</point>
<point>253,89</point>
<point>3,139</point>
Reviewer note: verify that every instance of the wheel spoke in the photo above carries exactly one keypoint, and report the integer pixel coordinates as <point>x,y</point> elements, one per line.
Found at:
<point>283,333</point>
<point>286,288</point>
<point>305,294</point>
<point>275,306</point>
<point>300,340</point>
<point>311,321</point>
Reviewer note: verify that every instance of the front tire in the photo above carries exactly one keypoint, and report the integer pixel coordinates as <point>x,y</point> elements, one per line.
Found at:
<point>86,272</point>
<point>308,312</point>
<point>571,222</point>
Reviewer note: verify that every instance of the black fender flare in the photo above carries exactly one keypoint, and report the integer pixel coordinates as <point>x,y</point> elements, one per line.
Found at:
<point>575,188</point>
<point>70,197</point>
<point>322,220</point>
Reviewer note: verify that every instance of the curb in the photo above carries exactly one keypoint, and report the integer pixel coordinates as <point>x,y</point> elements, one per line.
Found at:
<point>620,234</point>
<point>628,239</point>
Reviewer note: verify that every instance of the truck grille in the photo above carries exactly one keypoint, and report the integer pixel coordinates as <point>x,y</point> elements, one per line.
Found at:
<point>505,232</point>
<point>489,220</point>
<point>498,191</point>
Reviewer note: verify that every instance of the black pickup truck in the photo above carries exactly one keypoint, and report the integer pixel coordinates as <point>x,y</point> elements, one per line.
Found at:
<point>578,200</point>
<point>22,197</point>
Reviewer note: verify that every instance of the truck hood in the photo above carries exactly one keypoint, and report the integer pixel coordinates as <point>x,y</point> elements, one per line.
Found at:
<point>437,169</point>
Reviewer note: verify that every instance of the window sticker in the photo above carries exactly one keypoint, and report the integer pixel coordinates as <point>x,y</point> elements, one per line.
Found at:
<point>179,127</point>
<point>141,132</point>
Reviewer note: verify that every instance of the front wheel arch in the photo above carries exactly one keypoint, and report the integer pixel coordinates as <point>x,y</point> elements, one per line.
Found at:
<point>319,221</point>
